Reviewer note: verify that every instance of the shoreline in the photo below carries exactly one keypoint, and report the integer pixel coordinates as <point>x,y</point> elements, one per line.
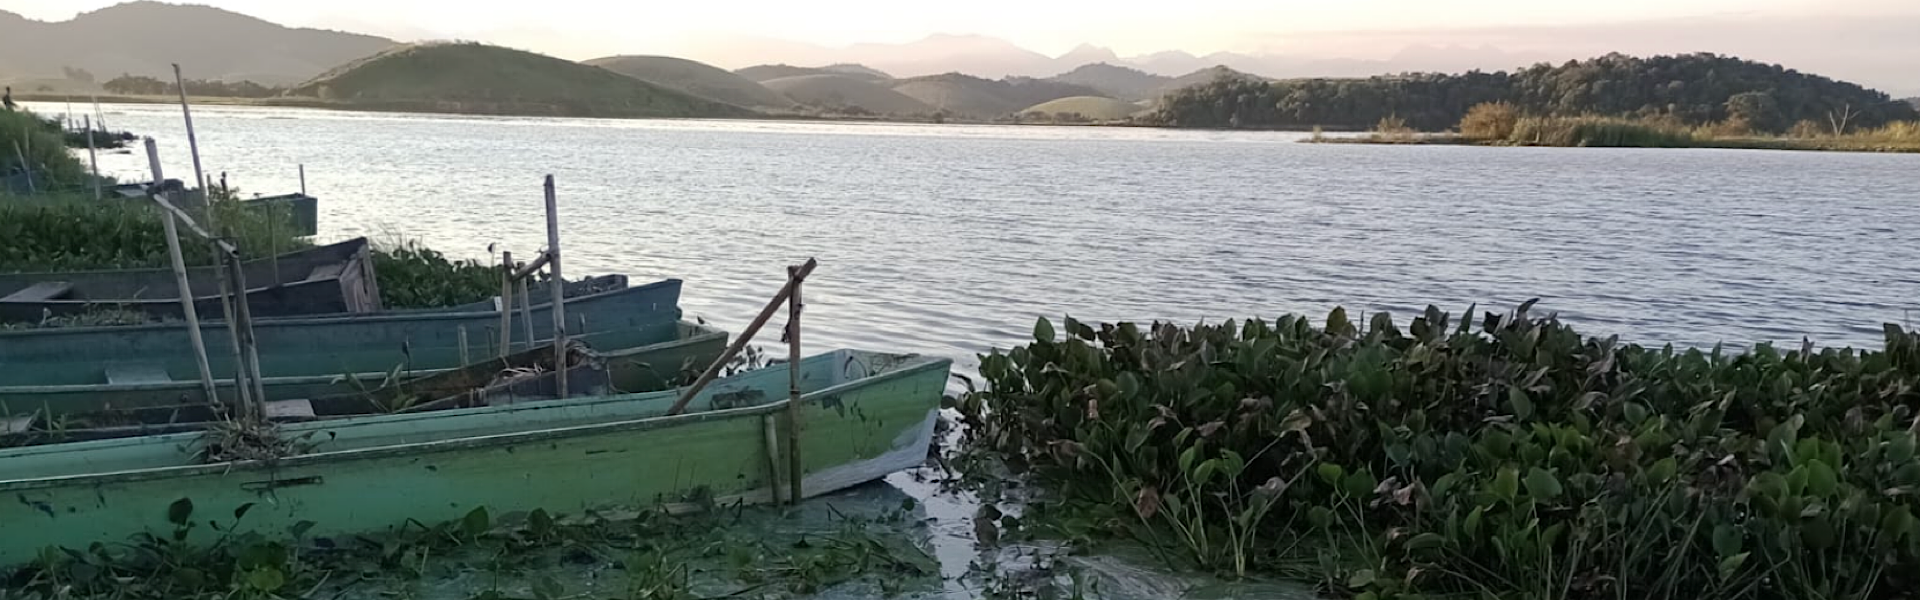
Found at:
<point>1744,143</point>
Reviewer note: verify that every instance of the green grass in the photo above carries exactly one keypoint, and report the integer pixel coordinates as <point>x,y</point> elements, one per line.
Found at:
<point>480,79</point>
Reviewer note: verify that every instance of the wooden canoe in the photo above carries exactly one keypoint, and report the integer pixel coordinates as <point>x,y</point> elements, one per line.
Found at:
<point>63,370</point>
<point>863,415</point>
<point>632,361</point>
<point>337,278</point>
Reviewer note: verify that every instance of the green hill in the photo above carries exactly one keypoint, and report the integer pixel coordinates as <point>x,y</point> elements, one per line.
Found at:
<point>765,73</point>
<point>986,98</point>
<point>696,78</point>
<point>846,93</point>
<point>481,79</point>
<point>1085,108</point>
<point>1914,101</point>
<point>1116,81</point>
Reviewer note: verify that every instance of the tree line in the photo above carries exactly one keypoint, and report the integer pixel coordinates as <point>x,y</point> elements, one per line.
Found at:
<point>1690,89</point>
<point>142,85</point>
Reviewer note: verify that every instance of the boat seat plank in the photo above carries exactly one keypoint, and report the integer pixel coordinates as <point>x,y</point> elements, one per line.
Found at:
<point>42,291</point>
<point>289,410</point>
<point>326,271</point>
<point>137,373</point>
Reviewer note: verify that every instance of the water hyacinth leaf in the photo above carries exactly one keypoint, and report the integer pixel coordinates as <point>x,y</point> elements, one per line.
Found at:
<point>1360,484</point>
<point>1731,565</point>
<point>1330,473</point>
<point>1043,330</point>
<point>1900,448</point>
<point>1634,412</point>
<point>266,579</point>
<point>1471,526</point>
<point>180,511</point>
<point>1663,470</point>
<point>1821,480</point>
<point>1361,579</point>
<point>476,522</point>
<point>1506,485</point>
<point>1726,540</point>
<point>1522,405</point>
<point>1542,484</point>
<point>1425,541</point>
<point>1320,517</point>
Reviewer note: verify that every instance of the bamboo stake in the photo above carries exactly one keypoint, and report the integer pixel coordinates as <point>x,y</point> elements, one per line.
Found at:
<point>506,304</point>
<point>559,308</point>
<point>526,313</point>
<point>713,370</point>
<point>244,325</point>
<point>193,145</point>
<point>794,306</point>
<point>464,359</point>
<point>187,310</point>
<point>303,179</point>
<point>242,392</point>
<point>92,158</point>
<point>24,167</point>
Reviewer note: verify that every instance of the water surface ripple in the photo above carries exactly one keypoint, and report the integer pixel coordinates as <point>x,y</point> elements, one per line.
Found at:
<point>951,239</point>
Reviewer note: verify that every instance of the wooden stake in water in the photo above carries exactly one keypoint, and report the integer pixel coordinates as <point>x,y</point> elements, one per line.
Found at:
<point>558,286</point>
<point>187,310</point>
<point>303,179</point>
<point>740,343</point>
<point>193,143</point>
<point>796,477</point>
<point>92,158</point>
<point>506,304</point>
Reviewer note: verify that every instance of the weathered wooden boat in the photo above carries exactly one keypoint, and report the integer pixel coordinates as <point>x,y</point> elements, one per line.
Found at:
<point>66,370</point>
<point>630,362</point>
<point>863,415</point>
<point>336,278</point>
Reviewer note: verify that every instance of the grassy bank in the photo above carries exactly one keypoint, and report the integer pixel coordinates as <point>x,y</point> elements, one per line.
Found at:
<point>1502,456</point>
<point>1499,124</point>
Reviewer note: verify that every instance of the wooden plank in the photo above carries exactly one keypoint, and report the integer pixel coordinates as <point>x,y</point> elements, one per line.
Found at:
<point>132,373</point>
<point>45,290</point>
<point>289,410</point>
<point>327,271</point>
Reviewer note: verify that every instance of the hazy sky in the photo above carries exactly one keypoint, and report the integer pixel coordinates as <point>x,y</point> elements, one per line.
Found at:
<point>587,28</point>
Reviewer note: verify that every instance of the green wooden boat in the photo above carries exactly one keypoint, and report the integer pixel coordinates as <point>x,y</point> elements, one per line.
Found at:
<point>332,279</point>
<point>639,359</point>
<point>863,415</point>
<point>67,370</point>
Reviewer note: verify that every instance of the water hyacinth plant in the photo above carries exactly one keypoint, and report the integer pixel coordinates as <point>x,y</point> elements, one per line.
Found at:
<point>1498,457</point>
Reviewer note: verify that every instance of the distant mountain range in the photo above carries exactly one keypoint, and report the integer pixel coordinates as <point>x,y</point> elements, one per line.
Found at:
<point>145,38</point>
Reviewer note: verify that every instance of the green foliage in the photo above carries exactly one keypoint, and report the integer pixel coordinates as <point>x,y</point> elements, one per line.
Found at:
<point>141,85</point>
<point>1597,132</point>
<point>1693,88</point>
<point>1502,456</point>
<point>67,233</point>
<point>415,276</point>
<point>23,134</point>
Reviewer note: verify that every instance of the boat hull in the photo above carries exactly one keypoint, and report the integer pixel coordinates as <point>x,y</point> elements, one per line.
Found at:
<point>316,347</point>
<point>370,474</point>
<point>332,279</point>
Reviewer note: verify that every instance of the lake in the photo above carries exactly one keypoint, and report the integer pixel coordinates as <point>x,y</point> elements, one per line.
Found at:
<point>952,239</point>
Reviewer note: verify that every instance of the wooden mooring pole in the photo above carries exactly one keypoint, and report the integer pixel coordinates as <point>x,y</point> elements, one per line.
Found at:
<point>796,477</point>
<point>559,288</point>
<point>187,310</point>
<point>793,280</point>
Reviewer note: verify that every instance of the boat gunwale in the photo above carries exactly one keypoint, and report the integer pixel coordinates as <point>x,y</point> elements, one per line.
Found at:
<point>340,248</point>
<point>915,366</point>
<point>703,333</point>
<point>306,321</point>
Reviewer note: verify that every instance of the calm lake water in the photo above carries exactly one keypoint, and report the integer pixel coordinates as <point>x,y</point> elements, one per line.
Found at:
<point>951,239</point>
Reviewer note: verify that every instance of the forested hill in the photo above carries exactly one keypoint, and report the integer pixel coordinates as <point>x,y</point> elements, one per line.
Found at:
<point>1693,88</point>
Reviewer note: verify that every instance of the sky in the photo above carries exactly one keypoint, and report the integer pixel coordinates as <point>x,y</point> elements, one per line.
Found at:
<point>586,28</point>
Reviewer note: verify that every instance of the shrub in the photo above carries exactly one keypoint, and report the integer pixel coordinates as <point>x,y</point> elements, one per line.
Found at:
<point>1490,121</point>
